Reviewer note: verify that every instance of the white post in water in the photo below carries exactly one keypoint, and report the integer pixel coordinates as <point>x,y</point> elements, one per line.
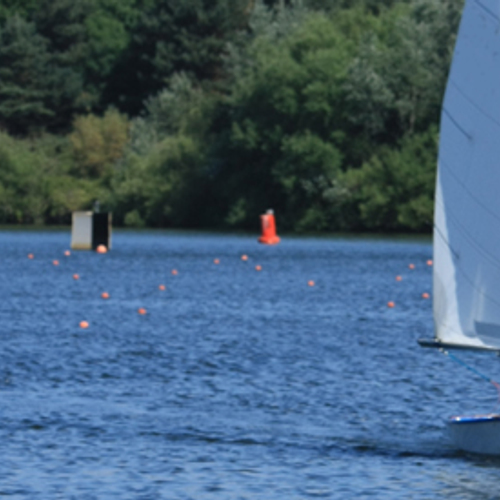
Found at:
<point>90,229</point>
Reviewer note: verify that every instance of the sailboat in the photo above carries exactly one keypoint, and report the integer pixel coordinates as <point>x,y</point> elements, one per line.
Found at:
<point>466,275</point>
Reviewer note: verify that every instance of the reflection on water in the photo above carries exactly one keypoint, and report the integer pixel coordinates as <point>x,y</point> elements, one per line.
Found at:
<point>237,383</point>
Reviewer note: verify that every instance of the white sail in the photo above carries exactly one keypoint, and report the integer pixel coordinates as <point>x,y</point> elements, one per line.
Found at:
<point>467,213</point>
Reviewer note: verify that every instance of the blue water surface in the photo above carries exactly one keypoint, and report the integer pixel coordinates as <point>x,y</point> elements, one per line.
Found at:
<point>237,383</point>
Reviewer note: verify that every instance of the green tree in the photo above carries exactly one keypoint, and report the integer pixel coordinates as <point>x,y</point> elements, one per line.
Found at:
<point>187,36</point>
<point>163,189</point>
<point>30,84</point>
<point>284,121</point>
<point>88,38</point>
<point>22,8</point>
<point>35,185</point>
<point>98,143</point>
<point>394,190</point>
<point>396,83</point>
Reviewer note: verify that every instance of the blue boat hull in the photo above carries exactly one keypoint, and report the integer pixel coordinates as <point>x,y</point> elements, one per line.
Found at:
<point>477,433</point>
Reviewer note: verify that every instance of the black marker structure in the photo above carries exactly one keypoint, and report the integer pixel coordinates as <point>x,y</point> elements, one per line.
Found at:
<point>91,229</point>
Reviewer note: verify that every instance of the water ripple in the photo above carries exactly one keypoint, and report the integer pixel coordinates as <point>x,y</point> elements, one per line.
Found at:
<point>236,383</point>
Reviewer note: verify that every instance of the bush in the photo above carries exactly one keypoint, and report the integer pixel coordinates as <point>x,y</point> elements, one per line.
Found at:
<point>98,143</point>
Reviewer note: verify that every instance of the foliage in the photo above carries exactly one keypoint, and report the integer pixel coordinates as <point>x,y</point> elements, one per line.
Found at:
<point>35,181</point>
<point>174,36</point>
<point>160,190</point>
<point>180,108</point>
<point>98,143</point>
<point>394,190</point>
<point>284,120</point>
<point>192,113</point>
<point>30,85</point>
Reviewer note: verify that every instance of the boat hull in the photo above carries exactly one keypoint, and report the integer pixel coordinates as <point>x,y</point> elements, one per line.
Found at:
<point>476,434</point>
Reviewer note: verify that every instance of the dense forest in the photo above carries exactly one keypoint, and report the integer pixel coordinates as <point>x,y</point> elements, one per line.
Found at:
<point>203,114</point>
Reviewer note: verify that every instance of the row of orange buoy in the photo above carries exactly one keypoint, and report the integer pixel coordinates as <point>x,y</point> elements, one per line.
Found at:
<point>258,267</point>
<point>142,311</point>
<point>100,249</point>
<point>411,266</point>
<point>105,295</point>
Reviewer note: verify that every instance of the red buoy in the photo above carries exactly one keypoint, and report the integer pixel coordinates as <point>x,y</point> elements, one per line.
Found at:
<point>268,223</point>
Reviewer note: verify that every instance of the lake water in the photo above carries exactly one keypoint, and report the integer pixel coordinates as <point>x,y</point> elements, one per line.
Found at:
<point>237,383</point>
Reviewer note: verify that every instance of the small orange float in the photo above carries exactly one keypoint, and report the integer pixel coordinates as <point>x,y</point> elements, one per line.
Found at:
<point>161,287</point>
<point>175,272</point>
<point>67,253</point>
<point>311,283</point>
<point>399,278</point>
<point>411,266</point>
<point>258,268</point>
<point>390,304</point>
<point>429,262</point>
<point>84,324</point>
<point>101,249</point>
<point>244,257</point>
<point>31,256</point>
<point>425,295</point>
<point>76,277</point>
<point>141,310</point>
<point>55,262</point>
<point>105,295</point>
<point>216,261</point>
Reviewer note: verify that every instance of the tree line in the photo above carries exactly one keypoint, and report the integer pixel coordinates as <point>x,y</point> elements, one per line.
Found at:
<point>202,114</point>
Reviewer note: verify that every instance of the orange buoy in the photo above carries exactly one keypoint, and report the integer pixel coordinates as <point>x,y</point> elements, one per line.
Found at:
<point>311,283</point>
<point>175,272</point>
<point>67,253</point>
<point>268,225</point>
<point>55,262</point>
<point>425,295</point>
<point>390,304</point>
<point>141,310</point>
<point>258,268</point>
<point>31,256</point>
<point>399,278</point>
<point>76,277</point>
<point>429,262</point>
<point>411,266</point>
<point>105,295</point>
<point>84,324</point>
<point>244,257</point>
<point>161,287</point>
<point>101,249</point>
<point>216,261</point>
